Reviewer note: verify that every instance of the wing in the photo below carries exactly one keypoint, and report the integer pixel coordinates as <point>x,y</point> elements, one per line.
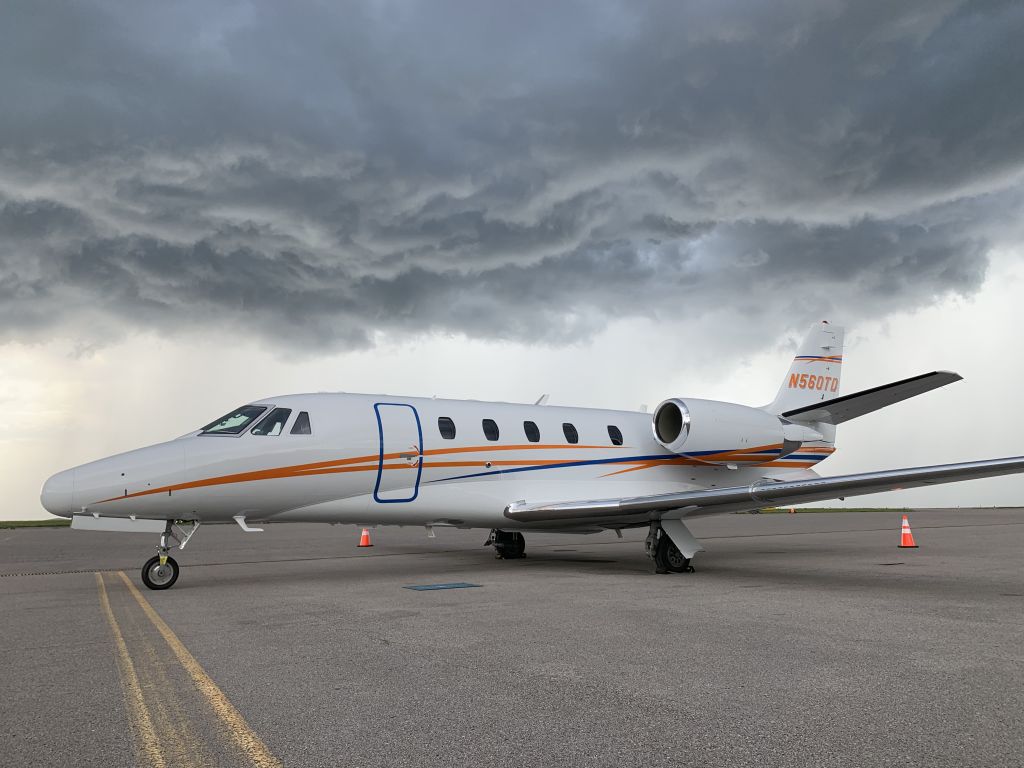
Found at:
<point>763,493</point>
<point>840,409</point>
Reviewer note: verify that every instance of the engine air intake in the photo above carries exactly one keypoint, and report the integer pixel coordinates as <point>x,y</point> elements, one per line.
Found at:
<point>671,421</point>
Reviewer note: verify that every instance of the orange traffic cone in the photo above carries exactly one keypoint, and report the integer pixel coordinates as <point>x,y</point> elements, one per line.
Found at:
<point>906,537</point>
<point>364,539</point>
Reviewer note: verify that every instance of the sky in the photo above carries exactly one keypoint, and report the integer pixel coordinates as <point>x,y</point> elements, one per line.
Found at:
<point>613,203</point>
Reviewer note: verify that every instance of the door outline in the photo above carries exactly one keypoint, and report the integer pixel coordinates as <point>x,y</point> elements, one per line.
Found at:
<point>380,454</point>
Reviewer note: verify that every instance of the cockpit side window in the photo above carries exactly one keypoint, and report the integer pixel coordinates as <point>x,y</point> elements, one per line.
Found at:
<point>273,423</point>
<point>301,425</point>
<point>235,422</point>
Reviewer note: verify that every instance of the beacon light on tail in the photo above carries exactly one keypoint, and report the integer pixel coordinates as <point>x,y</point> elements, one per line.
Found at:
<point>511,469</point>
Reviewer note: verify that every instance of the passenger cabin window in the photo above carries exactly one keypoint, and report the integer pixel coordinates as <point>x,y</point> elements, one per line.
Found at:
<point>615,434</point>
<point>490,429</point>
<point>301,425</point>
<point>446,427</point>
<point>273,423</point>
<point>532,433</point>
<point>570,433</point>
<point>235,422</point>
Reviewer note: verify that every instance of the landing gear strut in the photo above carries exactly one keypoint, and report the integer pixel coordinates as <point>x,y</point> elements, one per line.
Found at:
<point>508,545</point>
<point>161,571</point>
<point>667,557</point>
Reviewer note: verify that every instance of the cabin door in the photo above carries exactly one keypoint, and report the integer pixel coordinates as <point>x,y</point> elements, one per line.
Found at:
<point>400,460</point>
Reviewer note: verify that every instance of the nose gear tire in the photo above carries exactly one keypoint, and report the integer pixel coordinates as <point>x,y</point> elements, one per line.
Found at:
<point>156,576</point>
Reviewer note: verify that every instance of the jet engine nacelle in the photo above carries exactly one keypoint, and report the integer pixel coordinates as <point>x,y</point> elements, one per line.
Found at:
<point>715,432</point>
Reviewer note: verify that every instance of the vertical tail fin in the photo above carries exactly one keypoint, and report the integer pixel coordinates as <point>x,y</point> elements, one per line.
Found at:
<point>815,372</point>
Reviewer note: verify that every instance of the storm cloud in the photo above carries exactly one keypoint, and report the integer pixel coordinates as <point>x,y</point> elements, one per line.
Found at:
<point>318,174</point>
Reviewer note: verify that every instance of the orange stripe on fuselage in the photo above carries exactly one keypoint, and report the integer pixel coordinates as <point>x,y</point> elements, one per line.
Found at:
<point>680,461</point>
<point>719,457</point>
<point>336,466</point>
<point>737,454</point>
<point>370,462</point>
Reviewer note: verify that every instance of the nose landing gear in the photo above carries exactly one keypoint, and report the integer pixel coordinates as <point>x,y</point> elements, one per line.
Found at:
<point>161,571</point>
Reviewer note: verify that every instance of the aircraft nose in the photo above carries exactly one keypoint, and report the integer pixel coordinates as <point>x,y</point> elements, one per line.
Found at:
<point>56,493</point>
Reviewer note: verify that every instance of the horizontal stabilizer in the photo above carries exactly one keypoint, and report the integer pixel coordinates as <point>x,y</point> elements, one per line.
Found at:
<point>847,407</point>
<point>763,493</point>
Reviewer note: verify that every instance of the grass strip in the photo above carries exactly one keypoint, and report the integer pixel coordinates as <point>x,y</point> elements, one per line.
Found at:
<point>54,523</point>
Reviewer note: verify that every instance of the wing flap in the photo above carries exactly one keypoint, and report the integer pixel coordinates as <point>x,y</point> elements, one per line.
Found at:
<point>760,494</point>
<point>840,409</point>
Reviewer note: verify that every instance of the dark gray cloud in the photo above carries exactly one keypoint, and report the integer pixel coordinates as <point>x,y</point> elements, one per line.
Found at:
<point>315,174</point>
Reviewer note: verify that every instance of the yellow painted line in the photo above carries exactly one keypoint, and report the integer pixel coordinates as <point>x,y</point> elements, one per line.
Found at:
<point>138,713</point>
<point>183,746</point>
<point>241,734</point>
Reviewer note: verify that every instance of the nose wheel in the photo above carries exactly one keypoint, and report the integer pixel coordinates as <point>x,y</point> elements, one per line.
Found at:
<point>160,572</point>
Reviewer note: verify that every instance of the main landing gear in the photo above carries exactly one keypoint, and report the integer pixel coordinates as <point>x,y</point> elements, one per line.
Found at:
<point>508,545</point>
<point>161,571</point>
<point>667,557</point>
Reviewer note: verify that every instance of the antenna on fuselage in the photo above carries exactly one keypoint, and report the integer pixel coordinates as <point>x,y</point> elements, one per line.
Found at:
<point>542,400</point>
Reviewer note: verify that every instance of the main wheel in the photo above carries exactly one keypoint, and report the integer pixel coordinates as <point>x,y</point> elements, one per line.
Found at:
<point>517,547</point>
<point>509,545</point>
<point>156,576</point>
<point>669,558</point>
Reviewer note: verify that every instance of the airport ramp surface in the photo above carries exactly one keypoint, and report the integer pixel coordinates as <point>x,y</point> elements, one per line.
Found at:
<point>801,640</point>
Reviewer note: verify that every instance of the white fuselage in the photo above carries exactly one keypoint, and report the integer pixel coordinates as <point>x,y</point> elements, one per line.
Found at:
<point>382,460</point>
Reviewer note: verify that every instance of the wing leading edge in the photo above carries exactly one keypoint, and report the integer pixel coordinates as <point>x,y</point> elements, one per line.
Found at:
<point>763,493</point>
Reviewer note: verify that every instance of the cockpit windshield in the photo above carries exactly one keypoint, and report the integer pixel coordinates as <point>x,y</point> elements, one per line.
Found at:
<point>273,423</point>
<point>235,422</point>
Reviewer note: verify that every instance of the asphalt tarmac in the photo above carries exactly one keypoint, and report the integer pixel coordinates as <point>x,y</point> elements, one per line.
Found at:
<point>801,640</point>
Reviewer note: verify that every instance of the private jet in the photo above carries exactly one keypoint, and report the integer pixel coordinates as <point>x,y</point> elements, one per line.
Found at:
<point>508,468</point>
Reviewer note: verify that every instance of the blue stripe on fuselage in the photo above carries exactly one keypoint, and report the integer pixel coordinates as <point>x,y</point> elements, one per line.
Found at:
<point>582,463</point>
<point>619,460</point>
